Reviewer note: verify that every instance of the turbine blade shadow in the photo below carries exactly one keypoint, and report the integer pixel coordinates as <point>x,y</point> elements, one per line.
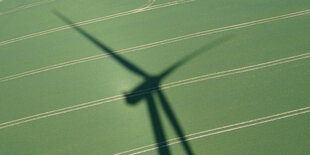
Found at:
<point>157,126</point>
<point>173,119</point>
<point>194,54</point>
<point>102,46</point>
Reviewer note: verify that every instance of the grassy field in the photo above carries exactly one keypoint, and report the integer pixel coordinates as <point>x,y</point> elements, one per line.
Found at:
<point>154,77</point>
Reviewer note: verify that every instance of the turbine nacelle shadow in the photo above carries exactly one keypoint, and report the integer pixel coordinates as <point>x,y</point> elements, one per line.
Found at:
<point>151,84</point>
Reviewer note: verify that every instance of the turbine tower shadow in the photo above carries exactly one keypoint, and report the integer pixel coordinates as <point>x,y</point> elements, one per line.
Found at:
<point>149,88</point>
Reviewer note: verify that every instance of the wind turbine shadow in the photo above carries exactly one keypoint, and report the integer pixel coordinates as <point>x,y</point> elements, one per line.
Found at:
<point>151,87</point>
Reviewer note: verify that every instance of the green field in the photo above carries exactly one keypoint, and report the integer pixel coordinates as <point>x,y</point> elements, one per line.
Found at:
<point>154,77</point>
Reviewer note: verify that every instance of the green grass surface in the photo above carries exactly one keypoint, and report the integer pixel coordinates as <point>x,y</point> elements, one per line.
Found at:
<point>116,126</point>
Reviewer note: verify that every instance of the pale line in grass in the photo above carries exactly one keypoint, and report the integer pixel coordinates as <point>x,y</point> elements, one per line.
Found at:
<point>70,107</point>
<point>148,4</point>
<point>25,7</point>
<point>228,130</point>
<point>154,44</point>
<point>164,86</point>
<point>227,73</point>
<point>49,114</point>
<point>215,129</point>
<point>222,74</point>
<point>134,11</point>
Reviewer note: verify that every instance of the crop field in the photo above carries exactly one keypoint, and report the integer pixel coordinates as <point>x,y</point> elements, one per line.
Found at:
<point>154,77</point>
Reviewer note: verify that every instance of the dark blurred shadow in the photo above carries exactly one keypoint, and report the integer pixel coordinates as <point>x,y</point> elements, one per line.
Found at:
<point>151,87</point>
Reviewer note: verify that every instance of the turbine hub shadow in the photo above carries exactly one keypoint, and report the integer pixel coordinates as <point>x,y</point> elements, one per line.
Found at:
<point>150,85</point>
